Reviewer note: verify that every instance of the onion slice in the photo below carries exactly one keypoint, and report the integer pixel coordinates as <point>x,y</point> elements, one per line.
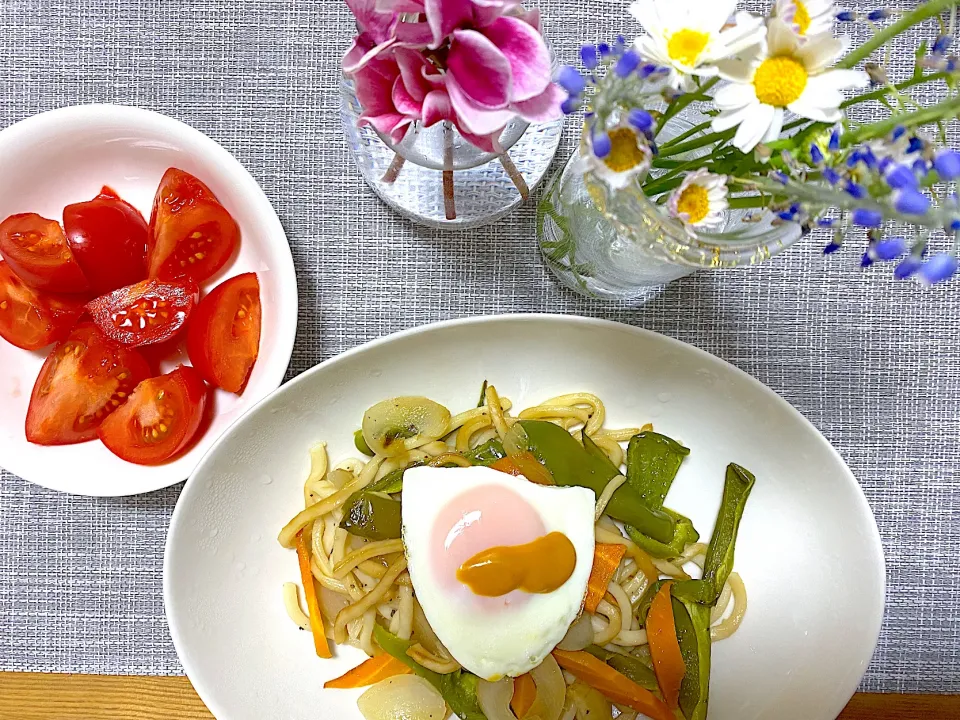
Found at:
<point>495,699</point>
<point>551,690</point>
<point>579,635</point>
<point>402,696</point>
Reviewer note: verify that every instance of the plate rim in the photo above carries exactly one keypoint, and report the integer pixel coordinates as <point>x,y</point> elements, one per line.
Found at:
<point>287,328</point>
<point>878,556</point>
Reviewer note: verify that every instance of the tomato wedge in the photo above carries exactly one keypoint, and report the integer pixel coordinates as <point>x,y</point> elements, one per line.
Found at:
<point>159,420</point>
<point>37,251</point>
<point>192,234</point>
<point>178,190</point>
<point>223,340</point>
<point>32,319</point>
<point>84,379</point>
<point>109,239</point>
<point>148,312</point>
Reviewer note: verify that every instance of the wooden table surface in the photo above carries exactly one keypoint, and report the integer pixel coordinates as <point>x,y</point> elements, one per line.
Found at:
<point>30,696</point>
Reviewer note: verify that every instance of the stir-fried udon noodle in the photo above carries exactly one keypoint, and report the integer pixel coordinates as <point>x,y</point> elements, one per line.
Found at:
<point>657,595</point>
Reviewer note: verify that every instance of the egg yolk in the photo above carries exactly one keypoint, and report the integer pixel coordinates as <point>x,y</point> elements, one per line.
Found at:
<point>541,566</point>
<point>483,517</point>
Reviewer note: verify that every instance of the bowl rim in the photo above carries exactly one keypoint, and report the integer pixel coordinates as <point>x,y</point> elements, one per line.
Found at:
<point>877,555</point>
<point>65,120</point>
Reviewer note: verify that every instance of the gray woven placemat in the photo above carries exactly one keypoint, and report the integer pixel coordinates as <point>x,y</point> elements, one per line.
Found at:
<point>874,364</point>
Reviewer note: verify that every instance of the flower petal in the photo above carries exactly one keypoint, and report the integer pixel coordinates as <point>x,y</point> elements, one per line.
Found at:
<point>362,52</point>
<point>471,117</point>
<point>734,95</point>
<point>411,64</point>
<point>487,143</point>
<point>530,17</point>
<point>776,127</point>
<point>754,127</point>
<point>392,124</point>
<point>405,103</point>
<point>482,72</point>
<point>413,34</point>
<point>645,13</point>
<point>437,107</point>
<point>543,107</point>
<point>372,21</point>
<point>727,120</point>
<point>741,69</point>
<point>748,31</point>
<point>781,40</point>
<point>820,52</point>
<point>445,16</point>
<point>527,53</point>
<point>374,86</point>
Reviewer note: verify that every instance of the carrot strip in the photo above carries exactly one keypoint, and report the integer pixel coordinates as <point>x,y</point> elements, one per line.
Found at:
<point>524,693</point>
<point>525,465</point>
<point>506,465</point>
<point>665,652</point>
<point>310,592</point>
<point>369,672</point>
<point>614,685</point>
<point>606,559</point>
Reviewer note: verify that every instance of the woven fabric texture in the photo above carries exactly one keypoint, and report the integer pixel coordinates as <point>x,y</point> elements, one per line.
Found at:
<point>874,364</point>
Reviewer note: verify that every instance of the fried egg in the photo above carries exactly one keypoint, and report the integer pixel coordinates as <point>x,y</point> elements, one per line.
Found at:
<point>455,515</point>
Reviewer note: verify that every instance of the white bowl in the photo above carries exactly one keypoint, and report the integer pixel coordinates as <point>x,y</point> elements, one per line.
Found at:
<point>66,156</point>
<point>809,550</point>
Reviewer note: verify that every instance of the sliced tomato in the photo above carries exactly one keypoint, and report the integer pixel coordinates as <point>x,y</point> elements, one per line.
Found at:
<point>84,379</point>
<point>32,319</point>
<point>159,420</point>
<point>151,311</point>
<point>192,234</point>
<point>37,251</point>
<point>223,340</point>
<point>178,191</point>
<point>109,239</point>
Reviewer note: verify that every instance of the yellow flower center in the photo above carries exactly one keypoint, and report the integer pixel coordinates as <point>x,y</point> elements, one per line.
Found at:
<point>625,154</point>
<point>694,202</point>
<point>779,81</point>
<point>685,46</point>
<point>801,17</point>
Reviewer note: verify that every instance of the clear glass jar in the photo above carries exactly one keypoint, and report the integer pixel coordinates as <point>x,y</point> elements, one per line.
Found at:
<point>620,245</point>
<point>436,178</point>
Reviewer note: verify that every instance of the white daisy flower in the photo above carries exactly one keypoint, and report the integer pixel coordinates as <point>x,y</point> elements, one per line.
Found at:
<point>627,159</point>
<point>783,74</point>
<point>700,201</point>
<point>691,36</point>
<point>807,18</point>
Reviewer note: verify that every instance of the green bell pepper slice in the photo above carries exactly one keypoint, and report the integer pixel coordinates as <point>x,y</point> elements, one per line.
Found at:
<point>487,453</point>
<point>653,461</point>
<point>571,464</point>
<point>372,515</point>
<point>627,665</point>
<point>719,559</point>
<point>692,621</point>
<point>684,534</point>
<point>458,689</point>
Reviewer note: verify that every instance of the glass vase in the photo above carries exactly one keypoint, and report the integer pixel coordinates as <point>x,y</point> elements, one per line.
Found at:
<point>437,178</point>
<point>622,245</point>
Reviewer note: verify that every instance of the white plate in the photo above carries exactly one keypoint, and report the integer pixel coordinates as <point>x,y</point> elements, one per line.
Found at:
<point>66,156</point>
<point>809,550</point>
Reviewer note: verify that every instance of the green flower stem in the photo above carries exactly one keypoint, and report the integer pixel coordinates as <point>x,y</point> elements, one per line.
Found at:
<point>947,109</point>
<point>688,134</point>
<point>682,102</point>
<point>878,94</point>
<point>745,203</point>
<point>698,143</point>
<point>924,11</point>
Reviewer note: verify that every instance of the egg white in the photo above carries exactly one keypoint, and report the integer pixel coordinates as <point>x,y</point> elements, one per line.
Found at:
<point>517,639</point>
